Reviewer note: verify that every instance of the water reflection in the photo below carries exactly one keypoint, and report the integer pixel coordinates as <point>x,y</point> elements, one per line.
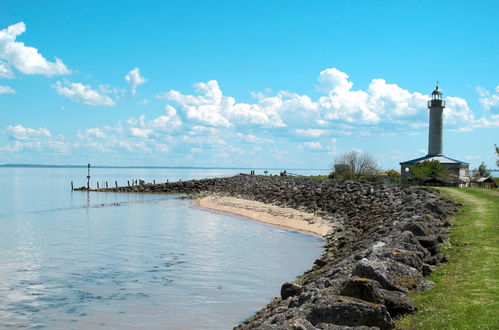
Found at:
<point>91,260</point>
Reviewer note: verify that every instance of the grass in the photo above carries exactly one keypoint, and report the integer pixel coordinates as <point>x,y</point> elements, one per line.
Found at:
<point>466,295</point>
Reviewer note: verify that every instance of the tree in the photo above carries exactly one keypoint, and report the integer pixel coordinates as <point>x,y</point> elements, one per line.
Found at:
<point>497,154</point>
<point>354,165</point>
<point>393,176</point>
<point>429,169</point>
<point>481,172</point>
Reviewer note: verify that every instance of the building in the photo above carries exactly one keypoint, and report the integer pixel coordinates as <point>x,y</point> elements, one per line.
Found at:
<point>458,170</point>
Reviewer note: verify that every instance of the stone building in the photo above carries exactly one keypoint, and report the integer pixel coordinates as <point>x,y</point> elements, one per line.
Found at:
<point>457,169</point>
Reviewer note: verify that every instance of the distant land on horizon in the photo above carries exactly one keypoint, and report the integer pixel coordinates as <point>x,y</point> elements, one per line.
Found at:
<point>156,167</point>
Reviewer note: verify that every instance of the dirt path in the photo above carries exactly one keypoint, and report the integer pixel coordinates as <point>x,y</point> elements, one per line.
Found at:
<point>467,198</point>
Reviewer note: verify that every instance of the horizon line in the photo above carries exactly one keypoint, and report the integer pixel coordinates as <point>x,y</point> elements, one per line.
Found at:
<point>154,167</point>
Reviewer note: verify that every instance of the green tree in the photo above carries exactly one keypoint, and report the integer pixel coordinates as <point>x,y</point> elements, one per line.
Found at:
<point>427,170</point>
<point>482,171</point>
<point>393,176</point>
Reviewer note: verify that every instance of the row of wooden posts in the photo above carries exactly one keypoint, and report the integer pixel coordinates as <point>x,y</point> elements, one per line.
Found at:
<point>135,182</point>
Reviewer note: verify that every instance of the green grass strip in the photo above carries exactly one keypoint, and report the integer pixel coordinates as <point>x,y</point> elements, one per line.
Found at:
<point>466,295</point>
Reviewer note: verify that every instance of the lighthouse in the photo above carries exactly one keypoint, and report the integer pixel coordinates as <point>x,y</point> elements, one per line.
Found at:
<point>457,169</point>
<point>436,106</point>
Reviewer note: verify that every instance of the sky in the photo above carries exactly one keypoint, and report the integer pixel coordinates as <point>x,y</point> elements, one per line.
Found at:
<point>259,84</point>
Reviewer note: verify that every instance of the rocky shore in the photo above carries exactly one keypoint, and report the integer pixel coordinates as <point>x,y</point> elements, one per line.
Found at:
<point>383,242</point>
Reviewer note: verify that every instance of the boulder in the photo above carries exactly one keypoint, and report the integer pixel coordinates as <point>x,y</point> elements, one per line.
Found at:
<point>290,289</point>
<point>362,288</point>
<point>397,303</point>
<point>350,312</point>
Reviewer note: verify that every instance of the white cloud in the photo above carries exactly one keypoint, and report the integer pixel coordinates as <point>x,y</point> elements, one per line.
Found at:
<point>141,128</point>
<point>488,100</point>
<point>134,79</point>
<point>5,70</point>
<point>24,58</point>
<point>311,145</point>
<point>457,112</point>
<point>7,90</point>
<point>19,132</point>
<point>311,132</point>
<point>81,93</point>
<point>379,103</point>
<point>196,150</point>
<point>205,108</point>
<point>333,80</point>
<point>250,138</point>
<point>141,132</point>
<point>91,133</point>
<point>170,121</point>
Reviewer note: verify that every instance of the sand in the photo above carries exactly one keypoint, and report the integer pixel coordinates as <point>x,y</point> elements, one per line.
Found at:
<point>282,217</point>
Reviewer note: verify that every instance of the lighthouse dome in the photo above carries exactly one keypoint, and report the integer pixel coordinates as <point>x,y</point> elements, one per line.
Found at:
<point>437,92</point>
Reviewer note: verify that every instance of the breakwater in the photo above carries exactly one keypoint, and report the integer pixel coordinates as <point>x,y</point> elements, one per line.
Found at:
<point>384,241</point>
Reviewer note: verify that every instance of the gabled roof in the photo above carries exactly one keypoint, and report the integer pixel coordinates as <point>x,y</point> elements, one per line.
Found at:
<point>441,159</point>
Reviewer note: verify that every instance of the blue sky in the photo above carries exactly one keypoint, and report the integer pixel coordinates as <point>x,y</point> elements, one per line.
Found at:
<point>283,84</point>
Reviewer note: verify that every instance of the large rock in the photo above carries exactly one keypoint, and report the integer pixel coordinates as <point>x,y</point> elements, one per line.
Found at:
<point>397,303</point>
<point>290,289</point>
<point>350,312</point>
<point>362,288</point>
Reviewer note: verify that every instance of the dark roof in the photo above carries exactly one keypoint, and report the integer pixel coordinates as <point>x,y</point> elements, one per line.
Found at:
<point>441,158</point>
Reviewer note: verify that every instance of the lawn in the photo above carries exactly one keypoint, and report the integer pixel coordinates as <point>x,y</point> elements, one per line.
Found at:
<point>466,295</point>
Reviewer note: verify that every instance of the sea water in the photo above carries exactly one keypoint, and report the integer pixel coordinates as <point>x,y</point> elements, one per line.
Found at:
<point>88,260</point>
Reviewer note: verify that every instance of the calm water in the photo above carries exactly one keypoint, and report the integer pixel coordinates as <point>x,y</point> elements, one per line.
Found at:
<point>78,260</point>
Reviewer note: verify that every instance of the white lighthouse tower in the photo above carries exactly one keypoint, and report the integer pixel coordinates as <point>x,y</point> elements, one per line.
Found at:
<point>458,170</point>
<point>436,106</point>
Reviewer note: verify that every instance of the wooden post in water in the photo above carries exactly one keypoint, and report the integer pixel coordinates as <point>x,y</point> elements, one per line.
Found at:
<point>97,184</point>
<point>106,185</point>
<point>72,186</point>
<point>128,183</point>
<point>154,181</point>
<point>88,178</point>
<point>116,184</point>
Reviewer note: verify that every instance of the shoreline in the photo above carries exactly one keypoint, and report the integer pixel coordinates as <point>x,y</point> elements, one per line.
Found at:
<point>385,240</point>
<point>281,217</point>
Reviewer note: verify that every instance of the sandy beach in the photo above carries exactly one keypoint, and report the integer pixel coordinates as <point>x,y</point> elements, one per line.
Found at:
<point>286,218</point>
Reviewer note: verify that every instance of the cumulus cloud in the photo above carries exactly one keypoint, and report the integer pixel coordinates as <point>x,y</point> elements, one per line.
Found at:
<point>457,112</point>
<point>134,79</point>
<point>342,107</point>
<point>380,102</point>
<point>333,80</point>
<point>81,93</point>
<point>214,109</point>
<point>24,58</point>
<point>5,70</point>
<point>140,127</point>
<point>7,90</point>
<point>19,132</point>
<point>487,99</point>
<point>141,132</point>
